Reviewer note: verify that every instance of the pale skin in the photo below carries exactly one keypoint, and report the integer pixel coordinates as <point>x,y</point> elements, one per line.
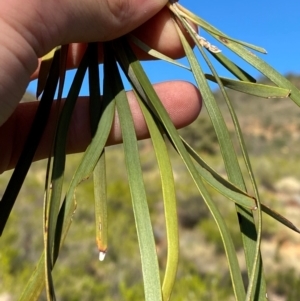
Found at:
<point>30,31</point>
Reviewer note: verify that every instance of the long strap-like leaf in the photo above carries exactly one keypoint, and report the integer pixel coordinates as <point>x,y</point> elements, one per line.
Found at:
<point>168,189</point>
<point>143,86</point>
<point>85,168</point>
<point>246,219</point>
<point>152,286</point>
<point>53,204</point>
<point>99,173</point>
<point>31,144</point>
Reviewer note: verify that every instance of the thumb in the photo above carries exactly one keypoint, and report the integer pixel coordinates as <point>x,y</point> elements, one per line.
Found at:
<point>104,20</point>
<point>51,23</point>
<point>40,26</point>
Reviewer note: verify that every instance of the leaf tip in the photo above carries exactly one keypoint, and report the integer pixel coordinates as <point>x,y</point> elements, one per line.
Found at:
<point>102,255</point>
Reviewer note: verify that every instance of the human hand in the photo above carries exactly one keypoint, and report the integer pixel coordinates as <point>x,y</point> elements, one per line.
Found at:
<point>30,32</point>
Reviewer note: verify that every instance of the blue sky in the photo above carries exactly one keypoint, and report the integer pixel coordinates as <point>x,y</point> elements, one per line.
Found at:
<point>273,25</point>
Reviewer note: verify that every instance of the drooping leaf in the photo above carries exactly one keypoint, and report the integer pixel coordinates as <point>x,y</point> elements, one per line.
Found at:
<point>246,219</point>
<point>143,87</point>
<point>255,89</point>
<point>36,131</point>
<point>52,203</point>
<point>154,52</point>
<point>152,286</point>
<point>169,197</point>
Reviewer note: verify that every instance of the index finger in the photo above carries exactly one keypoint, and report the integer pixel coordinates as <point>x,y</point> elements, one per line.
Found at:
<point>158,33</point>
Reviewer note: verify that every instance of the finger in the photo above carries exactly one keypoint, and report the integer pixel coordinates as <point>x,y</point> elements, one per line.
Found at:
<point>104,20</point>
<point>158,33</point>
<point>181,99</point>
<point>47,24</point>
<point>161,34</point>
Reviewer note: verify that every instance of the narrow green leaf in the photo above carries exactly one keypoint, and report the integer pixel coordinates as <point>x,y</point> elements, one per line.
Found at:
<point>99,173</point>
<point>265,69</point>
<point>169,198</point>
<point>31,144</point>
<point>257,286</point>
<point>248,56</point>
<point>85,168</point>
<point>226,146</point>
<point>255,89</point>
<point>261,66</point>
<point>100,195</point>
<point>182,11</point>
<point>94,150</point>
<point>94,88</point>
<point>279,218</point>
<point>220,184</point>
<point>36,282</point>
<point>248,230</point>
<point>52,208</point>
<point>233,68</point>
<point>152,286</point>
<point>144,88</point>
<point>154,52</point>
